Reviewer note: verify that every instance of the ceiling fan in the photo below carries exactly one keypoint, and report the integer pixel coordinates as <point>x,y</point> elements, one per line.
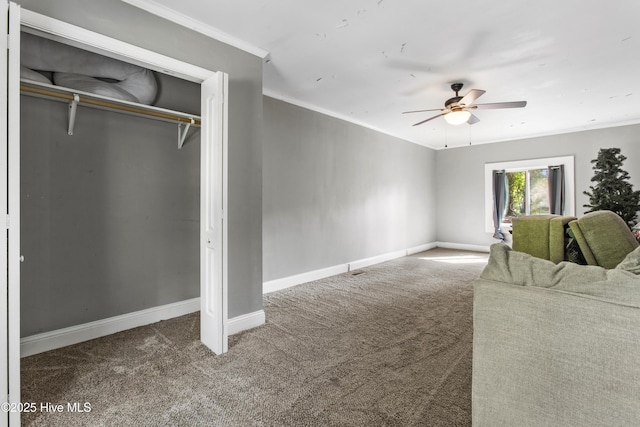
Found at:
<point>456,109</point>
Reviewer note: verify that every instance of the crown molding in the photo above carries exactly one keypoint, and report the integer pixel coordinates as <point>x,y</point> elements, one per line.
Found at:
<point>178,18</point>
<point>312,107</point>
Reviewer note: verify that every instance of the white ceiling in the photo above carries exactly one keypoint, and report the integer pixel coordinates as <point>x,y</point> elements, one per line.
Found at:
<point>576,62</point>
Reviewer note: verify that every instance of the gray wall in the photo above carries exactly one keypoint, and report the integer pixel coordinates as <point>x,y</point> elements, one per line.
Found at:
<point>335,192</point>
<point>110,215</point>
<point>121,21</point>
<point>460,195</point>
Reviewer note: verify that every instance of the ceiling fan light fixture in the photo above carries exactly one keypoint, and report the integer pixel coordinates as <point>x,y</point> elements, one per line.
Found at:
<point>457,117</point>
<point>455,109</point>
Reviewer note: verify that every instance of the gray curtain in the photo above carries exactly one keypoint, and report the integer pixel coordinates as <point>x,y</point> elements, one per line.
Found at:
<point>500,198</point>
<point>556,190</point>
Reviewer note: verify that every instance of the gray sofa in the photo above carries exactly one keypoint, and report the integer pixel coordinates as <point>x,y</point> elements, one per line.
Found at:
<point>556,345</point>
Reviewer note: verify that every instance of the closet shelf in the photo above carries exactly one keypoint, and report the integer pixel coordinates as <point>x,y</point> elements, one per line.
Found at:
<point>76,97</point>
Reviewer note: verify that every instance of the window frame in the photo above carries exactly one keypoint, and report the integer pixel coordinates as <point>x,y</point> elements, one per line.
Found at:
<point>529,164</point>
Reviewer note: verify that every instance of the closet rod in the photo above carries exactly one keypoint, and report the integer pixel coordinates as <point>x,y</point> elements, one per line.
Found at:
<point>110,105</point>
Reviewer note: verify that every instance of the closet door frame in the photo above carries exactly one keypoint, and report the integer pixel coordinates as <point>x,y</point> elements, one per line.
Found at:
<point>11,211</point>
<point>5,370</point>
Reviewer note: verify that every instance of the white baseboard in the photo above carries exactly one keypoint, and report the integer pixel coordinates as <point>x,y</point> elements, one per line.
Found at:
<point>464,247</point>
<point>287,282</point>
<point>72,335</point>
<point>362,263</point>
<point>75,334</point>
<point>245,322</point>
<point>298,279</point>
<point>421,248</point>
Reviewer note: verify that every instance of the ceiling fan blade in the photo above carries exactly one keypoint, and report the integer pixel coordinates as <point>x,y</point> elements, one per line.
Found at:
<point>423,111</point>
<point>515,104</point>
<point>471,96</point>
<point>430,118</point>
<point>473,119</point>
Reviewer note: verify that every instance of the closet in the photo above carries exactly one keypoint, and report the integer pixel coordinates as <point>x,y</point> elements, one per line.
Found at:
<point>109,203</point>
<point>113,211</point>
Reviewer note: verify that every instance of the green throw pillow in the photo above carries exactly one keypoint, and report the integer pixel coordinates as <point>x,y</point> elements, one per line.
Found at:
<point>631,262</point>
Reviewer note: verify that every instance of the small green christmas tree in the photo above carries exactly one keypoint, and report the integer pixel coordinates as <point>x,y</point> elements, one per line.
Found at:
<point>612,190</point>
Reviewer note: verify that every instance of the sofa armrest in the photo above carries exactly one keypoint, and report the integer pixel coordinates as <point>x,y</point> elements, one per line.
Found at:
<point>604,238</point>
<point>542,356</point>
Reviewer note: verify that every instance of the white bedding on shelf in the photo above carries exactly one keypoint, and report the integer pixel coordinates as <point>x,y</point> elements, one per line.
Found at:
<point>82,70</point>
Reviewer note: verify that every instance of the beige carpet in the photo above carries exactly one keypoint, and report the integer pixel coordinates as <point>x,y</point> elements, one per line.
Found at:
<point>389,345</point>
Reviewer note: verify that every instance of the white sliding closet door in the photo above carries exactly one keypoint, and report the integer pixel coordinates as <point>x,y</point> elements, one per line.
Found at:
<point>10,240</point>
<point>213,193</point>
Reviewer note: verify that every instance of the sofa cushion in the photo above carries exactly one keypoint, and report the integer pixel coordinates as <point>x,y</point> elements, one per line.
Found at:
<point>631,262</point>
<point>517,268</point>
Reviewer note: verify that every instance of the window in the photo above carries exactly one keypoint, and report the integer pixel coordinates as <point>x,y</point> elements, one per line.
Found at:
<point>528,193</point>
<point>528,187</point>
